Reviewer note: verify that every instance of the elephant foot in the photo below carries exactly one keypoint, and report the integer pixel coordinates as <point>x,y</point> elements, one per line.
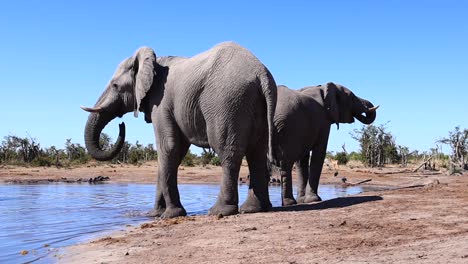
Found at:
<point>223,209</point>
<point>288,201</point>
<point>254,205</point>
<point>172,212</point>
<point>312,198</point>
<point>156,212</point>
<point>300,199</point>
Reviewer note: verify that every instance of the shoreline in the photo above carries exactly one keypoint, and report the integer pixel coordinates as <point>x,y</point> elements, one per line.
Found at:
<point>147,173</point>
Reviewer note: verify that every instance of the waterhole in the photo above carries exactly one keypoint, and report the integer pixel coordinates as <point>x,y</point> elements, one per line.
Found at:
<point>37,219</point>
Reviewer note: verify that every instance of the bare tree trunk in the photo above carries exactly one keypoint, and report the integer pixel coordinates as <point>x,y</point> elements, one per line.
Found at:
<point>423,164</point>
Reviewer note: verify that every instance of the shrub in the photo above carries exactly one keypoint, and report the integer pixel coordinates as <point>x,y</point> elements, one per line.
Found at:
<point>355,156</point>
<point>189,159</point>
<point>207,156</point>
<point>342,158</point>
<point>215,161</point>
<point>42,161</point>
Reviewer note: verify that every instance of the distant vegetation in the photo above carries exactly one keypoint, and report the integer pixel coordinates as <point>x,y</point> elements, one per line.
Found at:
<point>15,150</point>
<point>27,151</point>
<point>458,142</point>
<point>378,147</point>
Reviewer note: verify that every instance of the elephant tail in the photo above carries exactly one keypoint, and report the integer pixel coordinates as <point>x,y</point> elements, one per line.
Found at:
<point>269,91</point>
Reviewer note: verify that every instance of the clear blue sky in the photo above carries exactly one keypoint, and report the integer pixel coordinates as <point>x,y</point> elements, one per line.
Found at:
<point>410,57</point>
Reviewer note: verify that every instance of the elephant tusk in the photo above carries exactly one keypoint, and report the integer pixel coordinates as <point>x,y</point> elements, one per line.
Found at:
<point>91,109</point>
<point>372,109</point>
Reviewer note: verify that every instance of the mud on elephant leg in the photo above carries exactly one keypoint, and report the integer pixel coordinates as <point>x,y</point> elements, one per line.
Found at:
<point>258,199</point>
<point>228,198</point>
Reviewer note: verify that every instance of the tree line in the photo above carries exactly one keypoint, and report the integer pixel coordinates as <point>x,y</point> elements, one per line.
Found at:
<point>378,147</point>
<point>16,150</point>
<point>27,151</point>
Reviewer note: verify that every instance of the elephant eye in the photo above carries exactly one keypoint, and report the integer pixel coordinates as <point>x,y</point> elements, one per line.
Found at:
<point>115,86</point>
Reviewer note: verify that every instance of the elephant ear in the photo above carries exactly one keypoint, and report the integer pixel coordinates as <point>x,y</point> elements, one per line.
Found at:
<point>331,102</point>
<point>145,60</point>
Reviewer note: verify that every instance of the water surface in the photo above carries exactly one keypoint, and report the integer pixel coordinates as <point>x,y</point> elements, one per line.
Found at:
<point>42,217</point>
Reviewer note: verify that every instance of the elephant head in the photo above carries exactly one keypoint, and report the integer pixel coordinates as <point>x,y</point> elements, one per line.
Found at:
<point>124,93</point>
<point>343,106</point>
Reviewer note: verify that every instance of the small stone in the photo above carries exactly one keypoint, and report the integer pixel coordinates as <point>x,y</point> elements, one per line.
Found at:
<point>250,229</point>
<point>24,252</point>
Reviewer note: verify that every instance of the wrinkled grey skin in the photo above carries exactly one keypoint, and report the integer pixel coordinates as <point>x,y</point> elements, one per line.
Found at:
<point>303,119</point>
<point>223,98</point>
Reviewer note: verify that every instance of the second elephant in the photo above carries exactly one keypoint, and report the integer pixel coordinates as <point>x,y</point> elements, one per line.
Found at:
<point>303,119</point>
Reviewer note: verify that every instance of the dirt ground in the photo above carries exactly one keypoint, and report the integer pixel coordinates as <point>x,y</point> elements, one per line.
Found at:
<point>422,219</point>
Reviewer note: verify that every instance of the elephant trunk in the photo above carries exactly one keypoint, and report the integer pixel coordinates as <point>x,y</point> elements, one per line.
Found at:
<point>95,124</point>
<point>367,108</point>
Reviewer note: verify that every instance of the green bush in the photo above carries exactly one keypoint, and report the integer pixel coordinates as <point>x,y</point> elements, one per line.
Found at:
<point>189,159</point>
<point>83,159</point>
<point>42,161</point>
<point>215,161</point>
<point>207,156</point>
<point>355,156</point>
<point>342,158</point>
<point>134,158</point>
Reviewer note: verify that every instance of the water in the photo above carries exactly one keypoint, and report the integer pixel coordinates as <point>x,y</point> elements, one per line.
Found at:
<point>43,217</point>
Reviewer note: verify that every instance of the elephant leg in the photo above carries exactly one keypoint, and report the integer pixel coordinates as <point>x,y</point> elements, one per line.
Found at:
<point>228,198</point>
<point>303,177</point>
<point>167,180</point>
<point>171,149</point>
<point>258,199</point>
<point>159,204</point>
<point>315,170</point>
<point>286,185</point>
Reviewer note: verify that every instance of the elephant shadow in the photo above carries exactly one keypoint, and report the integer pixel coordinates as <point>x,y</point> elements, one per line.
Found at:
<point>339,202</point>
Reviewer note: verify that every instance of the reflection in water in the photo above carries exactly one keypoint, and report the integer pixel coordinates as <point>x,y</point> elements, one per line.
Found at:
<point>41,217</point>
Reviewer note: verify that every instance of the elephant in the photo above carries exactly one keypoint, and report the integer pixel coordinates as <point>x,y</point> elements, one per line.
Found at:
<point>223,98</point>
<point>303,119</point>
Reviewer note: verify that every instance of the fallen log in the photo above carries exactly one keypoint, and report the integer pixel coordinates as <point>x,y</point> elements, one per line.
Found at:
<point>422,164</point>
<point>364,181</point>
<point>345,184</point>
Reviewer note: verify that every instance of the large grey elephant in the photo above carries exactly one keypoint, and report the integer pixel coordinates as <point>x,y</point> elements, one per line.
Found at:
<point>303,119</point>
<point>223,98</point>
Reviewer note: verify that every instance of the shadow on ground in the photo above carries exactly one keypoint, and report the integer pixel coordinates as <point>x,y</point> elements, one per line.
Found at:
<point>333,203</point>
